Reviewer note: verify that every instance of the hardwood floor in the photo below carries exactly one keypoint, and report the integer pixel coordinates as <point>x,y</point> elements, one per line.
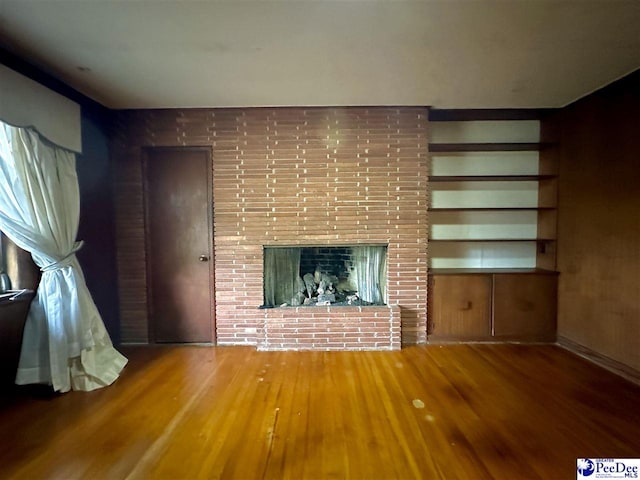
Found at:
<point>452,412</point>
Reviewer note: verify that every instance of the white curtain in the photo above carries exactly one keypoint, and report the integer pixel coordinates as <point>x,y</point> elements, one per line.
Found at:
<point>370,262</point>
<point>65,343</point>
<point>281,273</point>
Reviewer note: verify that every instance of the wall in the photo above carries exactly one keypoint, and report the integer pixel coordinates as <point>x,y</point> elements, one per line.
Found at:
<point>97,222</point>
<point>599,222</point>
<point>289,176</point>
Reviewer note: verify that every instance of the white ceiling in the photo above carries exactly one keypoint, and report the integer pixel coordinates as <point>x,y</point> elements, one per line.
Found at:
<point>442,53</point>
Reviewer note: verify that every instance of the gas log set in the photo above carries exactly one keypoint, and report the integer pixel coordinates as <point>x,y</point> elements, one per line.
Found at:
<point>322,289</point>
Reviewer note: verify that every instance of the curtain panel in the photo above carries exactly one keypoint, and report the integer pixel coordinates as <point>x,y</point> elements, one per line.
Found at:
<point>65,343</point>
<point>370,264</point>
<point>281,274</point>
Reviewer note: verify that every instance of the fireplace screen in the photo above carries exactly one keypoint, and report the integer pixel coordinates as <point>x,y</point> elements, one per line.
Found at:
<point>316,276</point>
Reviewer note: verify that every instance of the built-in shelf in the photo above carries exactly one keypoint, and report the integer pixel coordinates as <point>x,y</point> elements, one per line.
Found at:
<point>467,271</point>
<point>486,147</point>
<point>489,178</point>
<point>492,224</point>
<point>438,115</point>
<point>492,196</point>
<point>458,240</point>
<point>489,209</point>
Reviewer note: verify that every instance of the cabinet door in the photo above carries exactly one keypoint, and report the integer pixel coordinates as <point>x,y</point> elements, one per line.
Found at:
<point>525,306</point>
<point>460,307</point>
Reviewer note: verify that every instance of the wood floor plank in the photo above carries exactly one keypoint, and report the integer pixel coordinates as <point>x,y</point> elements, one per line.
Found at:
<point>475,411</point>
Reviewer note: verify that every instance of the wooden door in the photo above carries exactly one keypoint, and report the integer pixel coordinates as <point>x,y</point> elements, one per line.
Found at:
<point>460,307</point>
<point>179,244</point>
<point>525,306</point>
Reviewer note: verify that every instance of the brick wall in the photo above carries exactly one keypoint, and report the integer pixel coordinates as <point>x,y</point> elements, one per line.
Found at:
<point>285,176</point>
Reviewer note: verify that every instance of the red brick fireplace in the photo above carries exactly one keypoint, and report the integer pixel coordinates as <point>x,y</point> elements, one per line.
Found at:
<point>287,177</point>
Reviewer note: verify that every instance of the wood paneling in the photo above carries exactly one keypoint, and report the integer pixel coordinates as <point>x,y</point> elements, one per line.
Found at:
<point>97,227</point>
<point>433,412</point>
<point>599,222</point>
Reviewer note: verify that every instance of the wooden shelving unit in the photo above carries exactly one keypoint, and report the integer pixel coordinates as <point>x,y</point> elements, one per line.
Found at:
<point>488,209</point>
<point>489,178</point>
<point>492,231</point>
<point>485,147</point>
<point>462,240</point>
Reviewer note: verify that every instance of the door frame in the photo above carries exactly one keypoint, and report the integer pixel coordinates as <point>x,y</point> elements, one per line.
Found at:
<point>146,158</point>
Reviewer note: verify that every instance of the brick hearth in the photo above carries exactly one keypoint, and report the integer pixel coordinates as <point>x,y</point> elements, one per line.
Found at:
<point>331,328</point>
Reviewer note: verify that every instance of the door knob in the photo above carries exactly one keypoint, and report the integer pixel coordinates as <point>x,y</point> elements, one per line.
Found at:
<point>204,258</point>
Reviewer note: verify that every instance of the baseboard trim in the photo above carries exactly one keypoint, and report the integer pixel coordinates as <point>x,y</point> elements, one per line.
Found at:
<point>603,361</point>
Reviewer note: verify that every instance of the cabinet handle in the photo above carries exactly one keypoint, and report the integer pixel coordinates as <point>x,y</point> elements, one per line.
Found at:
<point>466,305</point>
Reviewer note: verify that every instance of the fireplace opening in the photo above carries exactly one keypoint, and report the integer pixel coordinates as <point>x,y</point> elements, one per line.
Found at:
<point>321,276</point>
